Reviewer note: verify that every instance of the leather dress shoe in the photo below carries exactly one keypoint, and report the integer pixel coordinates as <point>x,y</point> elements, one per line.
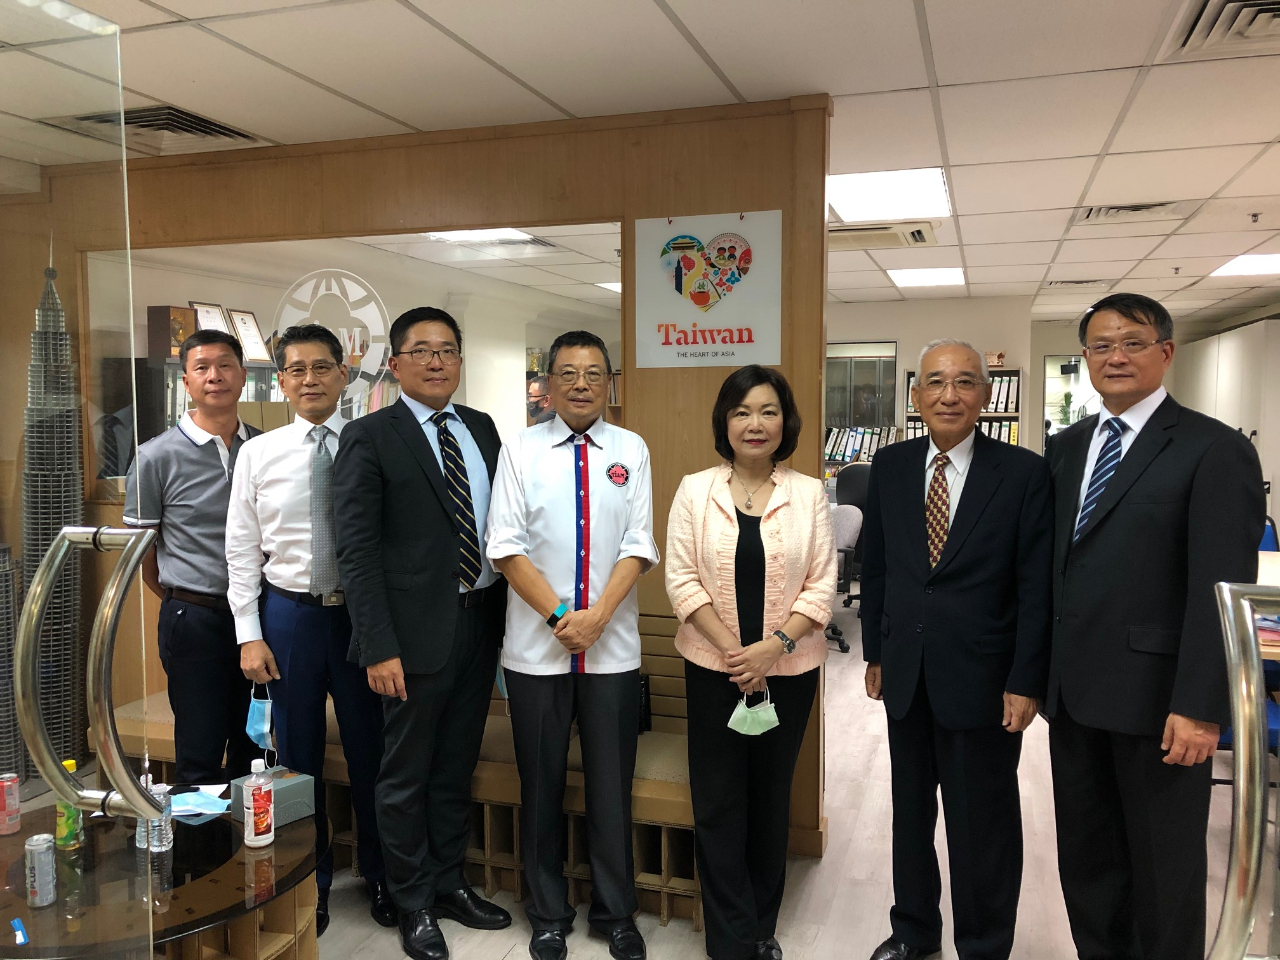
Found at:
<point>548,945</point>
<point>322,912</point>
<point>468,908</point>
<point>893,949</point>
<point>625,942</point>
<point>381,907</point>
<point>768,949</point>
<point>420,936</point>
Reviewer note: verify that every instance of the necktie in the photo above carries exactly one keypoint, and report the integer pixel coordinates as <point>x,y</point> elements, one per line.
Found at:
<point>455,475</point>
<point>324,558</point>
<point>1108,461</point>
<point>937,509</point>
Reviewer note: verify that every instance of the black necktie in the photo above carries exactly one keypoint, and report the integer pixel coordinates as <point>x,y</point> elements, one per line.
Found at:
<point>455,475</point>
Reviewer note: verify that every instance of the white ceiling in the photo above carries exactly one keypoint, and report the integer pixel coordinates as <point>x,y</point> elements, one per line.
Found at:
<point>1032,109</point>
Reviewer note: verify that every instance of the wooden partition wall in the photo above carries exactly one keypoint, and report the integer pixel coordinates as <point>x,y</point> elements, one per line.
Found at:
<point>758,156</point>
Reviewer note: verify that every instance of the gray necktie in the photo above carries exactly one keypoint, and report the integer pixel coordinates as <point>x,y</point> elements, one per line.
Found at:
<point>324,559</point>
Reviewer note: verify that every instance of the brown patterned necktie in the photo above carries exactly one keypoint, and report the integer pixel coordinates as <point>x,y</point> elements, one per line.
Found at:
<point>937,509</point>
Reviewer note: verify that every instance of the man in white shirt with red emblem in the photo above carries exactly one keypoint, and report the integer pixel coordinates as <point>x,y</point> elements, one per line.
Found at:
<point>571,528</point>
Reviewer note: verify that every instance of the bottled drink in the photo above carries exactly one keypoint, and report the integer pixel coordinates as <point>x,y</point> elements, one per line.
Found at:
<point>10,809</point>
<point>160,830</point>
<point>142,832</point>
<point>70,824</point>
<point>259,806</point>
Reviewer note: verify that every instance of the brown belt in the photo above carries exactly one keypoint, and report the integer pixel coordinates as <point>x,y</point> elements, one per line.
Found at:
<point>200,599</point>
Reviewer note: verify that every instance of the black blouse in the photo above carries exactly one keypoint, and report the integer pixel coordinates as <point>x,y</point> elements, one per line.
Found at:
<point>748,578</point>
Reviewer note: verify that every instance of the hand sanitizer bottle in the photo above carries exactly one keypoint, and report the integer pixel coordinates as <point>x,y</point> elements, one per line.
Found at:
<point>259,806</point>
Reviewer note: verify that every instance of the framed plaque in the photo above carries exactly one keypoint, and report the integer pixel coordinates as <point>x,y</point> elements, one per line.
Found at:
<point>209,316</point>
<point>245,326</point>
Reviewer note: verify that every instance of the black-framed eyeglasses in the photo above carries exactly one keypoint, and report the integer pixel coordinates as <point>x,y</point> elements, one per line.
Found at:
<point>321,369</point>
<point>1102,349</point>
<point>449,356</point>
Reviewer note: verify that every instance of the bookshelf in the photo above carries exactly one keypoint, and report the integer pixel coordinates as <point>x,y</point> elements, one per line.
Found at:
<point>1002,418</point>
<point>613,410</point>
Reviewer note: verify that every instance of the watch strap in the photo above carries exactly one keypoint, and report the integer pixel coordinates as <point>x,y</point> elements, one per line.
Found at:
<point>788,645</point>
<point>556,615</point>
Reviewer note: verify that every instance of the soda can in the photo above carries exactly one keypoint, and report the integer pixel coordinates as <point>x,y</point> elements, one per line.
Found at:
<point>41,888</point>
<point>10,809</point>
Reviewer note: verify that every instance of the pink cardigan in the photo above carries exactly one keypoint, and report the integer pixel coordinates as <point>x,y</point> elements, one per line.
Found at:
<point>800,562</point>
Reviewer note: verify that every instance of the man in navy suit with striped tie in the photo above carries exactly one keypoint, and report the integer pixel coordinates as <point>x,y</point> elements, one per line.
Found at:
<point>1154,504</point>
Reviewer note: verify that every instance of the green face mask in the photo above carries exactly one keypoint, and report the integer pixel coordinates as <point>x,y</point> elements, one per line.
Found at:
<point>753,721</point>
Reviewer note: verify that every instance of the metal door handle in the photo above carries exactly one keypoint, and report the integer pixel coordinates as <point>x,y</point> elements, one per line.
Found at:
<point>128,798</point>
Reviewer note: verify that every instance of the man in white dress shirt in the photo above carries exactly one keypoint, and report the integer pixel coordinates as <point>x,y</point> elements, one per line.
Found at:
<point>290,613</point>
<point>571,528</point>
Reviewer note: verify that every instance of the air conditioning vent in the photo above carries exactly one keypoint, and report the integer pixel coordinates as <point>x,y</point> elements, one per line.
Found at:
<point>531,242</point>
<point>159,131</point>
<point>879,236</point>
<point>1207,29</point>
<point>1074,285</point>
<point>1136,212</point>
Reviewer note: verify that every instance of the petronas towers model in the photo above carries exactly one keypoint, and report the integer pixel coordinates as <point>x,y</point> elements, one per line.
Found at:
<point>12,755</point>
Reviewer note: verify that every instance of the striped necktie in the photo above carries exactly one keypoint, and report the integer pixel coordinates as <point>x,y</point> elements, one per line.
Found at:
<point>455,475</point>
<point>324,559</point>
<point>1103,470</point>
<point>937,509</point>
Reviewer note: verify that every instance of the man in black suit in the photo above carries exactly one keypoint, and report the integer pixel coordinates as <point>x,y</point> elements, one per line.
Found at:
<point>955,630</point>
<point>1155,503</point>
<point>411,497</point>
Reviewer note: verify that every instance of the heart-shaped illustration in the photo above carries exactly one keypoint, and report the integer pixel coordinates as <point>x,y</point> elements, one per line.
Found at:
<point>704,274</point>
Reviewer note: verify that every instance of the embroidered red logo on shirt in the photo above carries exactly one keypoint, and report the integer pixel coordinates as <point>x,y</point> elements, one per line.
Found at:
<point>618,474</point>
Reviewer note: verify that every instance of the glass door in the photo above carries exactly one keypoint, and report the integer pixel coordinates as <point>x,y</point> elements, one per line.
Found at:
<point>76,640</point>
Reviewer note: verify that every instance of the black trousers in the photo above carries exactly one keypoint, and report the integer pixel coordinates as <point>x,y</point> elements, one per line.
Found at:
<point>431,744</point>
<point>741,788</point>
<point>978,773</point>
<point>207,691</point>
<point>1131,844</point>
<point>310,646</point>
<point>607,706</point>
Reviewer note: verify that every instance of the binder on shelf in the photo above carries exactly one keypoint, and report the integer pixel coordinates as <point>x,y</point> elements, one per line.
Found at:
<point>1004,431</point>
<point>1002,394</point>
<point>1013,433</point>
<point>1013,394</point>
<point>854,444</point>
<point>865,449</point>
<point>831,437</point>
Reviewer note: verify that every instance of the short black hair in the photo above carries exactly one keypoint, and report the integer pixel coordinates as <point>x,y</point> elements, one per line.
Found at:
<point>1135,307</point>
<point>207,338</point>
<point>307,333</point>
<point>410,318</point>
<point>538,381</point>
<point>734,390</point>
<point>577,338</point>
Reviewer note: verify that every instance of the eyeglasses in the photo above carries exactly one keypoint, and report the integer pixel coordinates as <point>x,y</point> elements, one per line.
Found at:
<point>1101,350</point>
<point>965,386</point>
<point>320,369</point>
<point>570,377</point>
<point>449,356</point>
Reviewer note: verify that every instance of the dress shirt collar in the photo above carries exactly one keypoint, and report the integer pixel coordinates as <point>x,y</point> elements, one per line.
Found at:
<point>961,455</point>
<point>200,437</point>
<point>1136,417</point>
<point>561,432</point>
<point>335,423</point>
<point>423,413</point>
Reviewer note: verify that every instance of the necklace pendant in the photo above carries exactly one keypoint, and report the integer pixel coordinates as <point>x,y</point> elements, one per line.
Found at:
<point>748,501</point>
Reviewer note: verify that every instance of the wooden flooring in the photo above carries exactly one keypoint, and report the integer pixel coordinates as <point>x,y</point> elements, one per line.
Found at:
<point>836,906</point>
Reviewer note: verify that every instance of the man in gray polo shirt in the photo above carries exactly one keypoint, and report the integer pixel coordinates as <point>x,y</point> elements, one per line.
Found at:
<point>181,483</point>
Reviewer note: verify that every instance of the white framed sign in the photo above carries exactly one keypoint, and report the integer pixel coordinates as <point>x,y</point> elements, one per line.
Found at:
<point>709,290</point>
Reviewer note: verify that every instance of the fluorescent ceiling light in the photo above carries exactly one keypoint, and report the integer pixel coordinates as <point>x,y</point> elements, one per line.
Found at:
<point>889,195</point>
<point>932,277</point>
<point>615,287</point>
<point>480,236</point>
<point>1249,265</point>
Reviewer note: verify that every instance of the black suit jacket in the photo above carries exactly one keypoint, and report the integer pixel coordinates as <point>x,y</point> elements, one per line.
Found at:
<point>977,624</point>
<point>398,538</point>
<point>1136,633</point>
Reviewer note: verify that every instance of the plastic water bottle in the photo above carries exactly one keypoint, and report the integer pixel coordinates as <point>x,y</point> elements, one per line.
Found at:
<point>142,833</point>
<point>161,828</point>
<point>259,806</point>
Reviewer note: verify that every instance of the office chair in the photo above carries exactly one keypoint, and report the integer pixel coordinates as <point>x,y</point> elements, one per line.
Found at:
<point>846,521</point>
<point>1271,681</point>
<point>851,489</point>
<point>1269,542</point>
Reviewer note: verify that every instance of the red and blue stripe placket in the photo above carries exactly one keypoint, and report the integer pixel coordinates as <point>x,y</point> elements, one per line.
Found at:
<point>582,583</point>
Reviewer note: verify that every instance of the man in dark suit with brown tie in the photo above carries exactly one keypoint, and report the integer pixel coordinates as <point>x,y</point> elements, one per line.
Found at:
<point>958,537</point>
<point>1155,503</point>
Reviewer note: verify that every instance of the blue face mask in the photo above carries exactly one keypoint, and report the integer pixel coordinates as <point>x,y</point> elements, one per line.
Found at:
<point>258,725</point>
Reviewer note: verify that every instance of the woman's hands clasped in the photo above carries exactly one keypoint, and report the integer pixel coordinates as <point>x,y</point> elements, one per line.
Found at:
<point>748,665</point>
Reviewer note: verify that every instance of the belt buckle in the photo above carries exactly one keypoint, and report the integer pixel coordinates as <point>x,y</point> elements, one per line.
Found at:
<point>335,599</point>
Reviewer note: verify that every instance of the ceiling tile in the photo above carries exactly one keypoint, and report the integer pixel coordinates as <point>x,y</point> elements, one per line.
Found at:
<point>1203,294</point>
<point>857,280</point>
<point>39,143</point>
<point>590,272</point>
<point>1204,104</point>
<point>625,57</point>
<point>1261,178</point>
<point>944,231</point>
<point>868,294</point>
<point>1151,285</point>
<point>1015,227</point>
<point>128,13</point>
<point>218,8</point>
<point>1167,175</point>
<point>1109,270</point>
<point>1001,289</point>
<point>1207,244</point>
<point>1271,246</point>
<point>336,44</point>
<point>1187,268</point>
<point>1079,301</point>
<point>518,274</point>
<point>1117,248</point>
<point>977,40</point>
<point>1026,185</point>
<point>1007,254</point>
<point>845,260</point>
<point>1037,119</point>
<point>1023,272</point>
<point>579,291</point>
<point>917,258</point>
<point>437,251</point>
<point>1225,286</point>
<point>20,23</point>
<point>34,88</point>
<point>1233,214</point>
<point>572,229</point>
<point>1099,231</point>
<point>770,50</point>
<point>884,131</point>
<point>599,246</point>
<point>934,293</point>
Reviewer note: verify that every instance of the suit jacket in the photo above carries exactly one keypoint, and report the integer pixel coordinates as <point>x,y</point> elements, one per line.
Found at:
<point>977,624</point>
<point>1136,633</point>
<point>398,538</point>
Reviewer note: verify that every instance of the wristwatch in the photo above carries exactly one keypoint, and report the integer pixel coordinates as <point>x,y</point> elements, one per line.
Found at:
<point>559,612</point>
<point>788,645</point>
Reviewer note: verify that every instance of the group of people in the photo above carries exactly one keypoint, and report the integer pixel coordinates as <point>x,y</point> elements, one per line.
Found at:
<point>393,562</point>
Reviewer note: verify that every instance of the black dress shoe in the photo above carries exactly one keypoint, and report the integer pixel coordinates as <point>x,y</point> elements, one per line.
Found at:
<point>893,949</point>
<point>420,936</point>
<point>381,907</point>
<point>468,908</point>
<point>322,912</point>
<point>625,942</point>
<point>768,949</point>
<point>548,945</point>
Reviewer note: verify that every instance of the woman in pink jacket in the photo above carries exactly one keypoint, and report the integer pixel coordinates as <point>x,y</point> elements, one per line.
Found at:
<point>751,573</point>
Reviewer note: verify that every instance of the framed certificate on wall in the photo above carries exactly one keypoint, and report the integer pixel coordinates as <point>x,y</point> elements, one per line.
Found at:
<point>245,326</point>
<point>209,316</point>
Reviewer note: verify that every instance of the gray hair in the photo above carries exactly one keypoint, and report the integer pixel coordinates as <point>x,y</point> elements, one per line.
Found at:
<point>950,342</point>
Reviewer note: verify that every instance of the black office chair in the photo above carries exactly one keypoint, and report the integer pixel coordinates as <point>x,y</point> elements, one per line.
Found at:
<point>851,489</point>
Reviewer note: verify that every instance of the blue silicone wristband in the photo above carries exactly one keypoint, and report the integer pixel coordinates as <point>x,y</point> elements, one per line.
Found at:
<point>556,614</point>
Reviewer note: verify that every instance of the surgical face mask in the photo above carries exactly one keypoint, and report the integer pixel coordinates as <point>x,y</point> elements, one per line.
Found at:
<point>258,726</point>
<point>753,721</point>
<point>535,407</point>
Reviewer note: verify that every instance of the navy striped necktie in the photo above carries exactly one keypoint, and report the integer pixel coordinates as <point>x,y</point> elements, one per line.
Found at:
<point>455,475</point>
<point>1108,462</point>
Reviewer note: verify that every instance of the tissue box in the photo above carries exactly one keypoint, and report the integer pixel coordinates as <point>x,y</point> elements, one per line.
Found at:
<point>295,795</point>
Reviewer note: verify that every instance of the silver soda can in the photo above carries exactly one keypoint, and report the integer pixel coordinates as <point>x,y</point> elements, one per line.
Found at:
<point>10,808</point>
<point>40,871</point>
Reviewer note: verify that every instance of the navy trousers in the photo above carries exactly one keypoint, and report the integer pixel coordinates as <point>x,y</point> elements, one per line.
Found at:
<point>310,646</point>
